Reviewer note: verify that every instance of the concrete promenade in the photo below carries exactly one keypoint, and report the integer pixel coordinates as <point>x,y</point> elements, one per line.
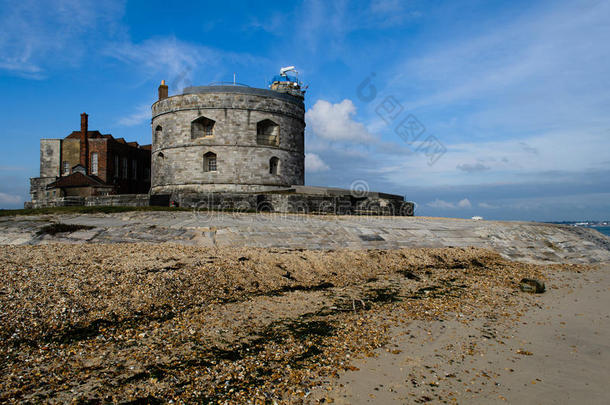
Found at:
<point>524,241</point>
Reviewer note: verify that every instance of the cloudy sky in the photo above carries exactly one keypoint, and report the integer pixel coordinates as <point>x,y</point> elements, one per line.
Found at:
<point>498,109</point>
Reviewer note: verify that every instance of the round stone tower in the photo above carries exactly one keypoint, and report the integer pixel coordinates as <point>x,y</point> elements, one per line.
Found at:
<point>227,139</point>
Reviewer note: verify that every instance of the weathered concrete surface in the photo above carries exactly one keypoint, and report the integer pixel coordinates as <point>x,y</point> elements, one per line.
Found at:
<point>524,241</point>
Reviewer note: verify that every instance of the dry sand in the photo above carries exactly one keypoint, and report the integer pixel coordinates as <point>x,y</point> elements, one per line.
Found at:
<point>157,322</point>
<point>557,353</point>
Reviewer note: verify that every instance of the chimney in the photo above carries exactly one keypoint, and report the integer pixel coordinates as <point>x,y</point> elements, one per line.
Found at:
<point>84,142</point>
<point>163,90</point>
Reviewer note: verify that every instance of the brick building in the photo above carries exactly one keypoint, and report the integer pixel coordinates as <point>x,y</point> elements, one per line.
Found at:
<point>89,163</point>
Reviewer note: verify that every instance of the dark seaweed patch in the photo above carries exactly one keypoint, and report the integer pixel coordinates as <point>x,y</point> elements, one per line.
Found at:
<point>382,295</point>
<point>409,274</point>
<point>53,229</point>
<point>303,330</point>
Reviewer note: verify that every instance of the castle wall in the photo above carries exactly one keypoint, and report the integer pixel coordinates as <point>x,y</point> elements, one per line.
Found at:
<point>50,155</point>
<point>242,163</point>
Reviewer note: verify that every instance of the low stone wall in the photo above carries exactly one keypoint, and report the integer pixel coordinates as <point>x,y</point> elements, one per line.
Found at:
<point>296,203</point>
<point>346,204</point>
<point>126,200</point>
<point>129,200</point>
<point>55,202</point>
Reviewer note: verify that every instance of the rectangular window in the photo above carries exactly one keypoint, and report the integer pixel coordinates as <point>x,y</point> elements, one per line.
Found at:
<point>124,168</point>
<point>146,174</point>
<point>94,163</point>
<point>116,166</point>
<point>134,169</point>
<point>212,164</point>
<point>66,168</point>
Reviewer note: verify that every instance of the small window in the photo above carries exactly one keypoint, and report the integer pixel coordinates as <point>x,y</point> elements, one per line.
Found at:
<point>274,164</point>
<point>209,162</point>
<point>124,171</point>
<point>94,163</point>
<point>267,133</point>
<point>202,127</point>
<point>146,174</point>
<point>116,166</point>
<point>66,168</point>
<point>158,133</point>
<point>134,169</point>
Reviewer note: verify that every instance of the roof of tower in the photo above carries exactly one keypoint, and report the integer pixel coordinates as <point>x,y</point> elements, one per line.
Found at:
<point>244,90</point>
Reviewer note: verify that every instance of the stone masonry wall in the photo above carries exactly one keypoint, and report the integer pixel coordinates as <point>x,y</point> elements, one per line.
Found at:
<point>125,200</point>
<point>50,155</point>
<point>296,203</point>
<point>242,164</point>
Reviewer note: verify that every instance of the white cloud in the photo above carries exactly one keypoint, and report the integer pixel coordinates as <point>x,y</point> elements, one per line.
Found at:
<point>10,198</point>
<point>313,163</point>
<point>539,71</point>
<point>438,203</point>
<point>441,204</point>
<point>36,36</point>
<point>327,24</point>
<point>177,61</point>
<point>465,203</point>
<point>487,205</point>
<point>335,122</point>
<point>141,115</point>
<point>472,167</point>
<point>164,56</point>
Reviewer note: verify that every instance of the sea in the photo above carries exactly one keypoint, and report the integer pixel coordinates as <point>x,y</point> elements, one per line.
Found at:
<point>603,229</point>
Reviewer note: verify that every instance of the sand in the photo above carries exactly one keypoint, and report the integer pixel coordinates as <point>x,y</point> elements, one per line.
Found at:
<point>557,353</point>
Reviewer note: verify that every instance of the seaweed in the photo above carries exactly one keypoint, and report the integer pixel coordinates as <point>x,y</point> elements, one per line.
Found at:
<point>55,228</point>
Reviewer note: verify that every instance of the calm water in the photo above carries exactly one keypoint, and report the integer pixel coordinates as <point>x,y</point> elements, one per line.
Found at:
<point>603,229</point>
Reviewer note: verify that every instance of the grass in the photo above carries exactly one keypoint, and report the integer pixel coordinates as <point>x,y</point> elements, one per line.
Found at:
<point>79,209</point>
<point>84,210</point>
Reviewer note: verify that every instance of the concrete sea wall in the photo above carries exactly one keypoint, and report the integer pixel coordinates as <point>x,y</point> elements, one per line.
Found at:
<point>524,241</point>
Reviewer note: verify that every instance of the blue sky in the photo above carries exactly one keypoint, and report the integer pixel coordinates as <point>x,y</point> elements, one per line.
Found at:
<point>513,97</point>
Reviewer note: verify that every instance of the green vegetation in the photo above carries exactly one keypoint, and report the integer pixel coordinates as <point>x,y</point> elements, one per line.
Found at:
<point>84,210</point>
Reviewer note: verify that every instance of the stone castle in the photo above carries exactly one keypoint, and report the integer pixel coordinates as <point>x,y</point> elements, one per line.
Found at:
<point>213,147</point>
<point>227,138</point>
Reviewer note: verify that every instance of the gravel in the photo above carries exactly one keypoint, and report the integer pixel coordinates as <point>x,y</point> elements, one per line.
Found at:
<point>160,322</point>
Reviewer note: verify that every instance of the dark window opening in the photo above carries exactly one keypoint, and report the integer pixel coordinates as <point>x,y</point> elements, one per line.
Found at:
<point>274,164</point>
<point>267,133</point>
<point>202,127</point>
<point>158,133</point>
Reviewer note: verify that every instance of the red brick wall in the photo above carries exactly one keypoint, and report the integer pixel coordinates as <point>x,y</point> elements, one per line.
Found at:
<point>128,185</point>
<point>99,146</point>
<point>107,149</point>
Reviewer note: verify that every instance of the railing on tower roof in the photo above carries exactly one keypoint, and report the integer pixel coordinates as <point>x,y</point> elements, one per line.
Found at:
<point>227,84</point>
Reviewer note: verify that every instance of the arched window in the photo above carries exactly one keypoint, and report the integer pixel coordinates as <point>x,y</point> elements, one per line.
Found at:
<point>274,165</point>
<point>267,133</point>
<point>158,132</point>
<point>209,162</point>
<point>202,127</point>
<point>160,155</point>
